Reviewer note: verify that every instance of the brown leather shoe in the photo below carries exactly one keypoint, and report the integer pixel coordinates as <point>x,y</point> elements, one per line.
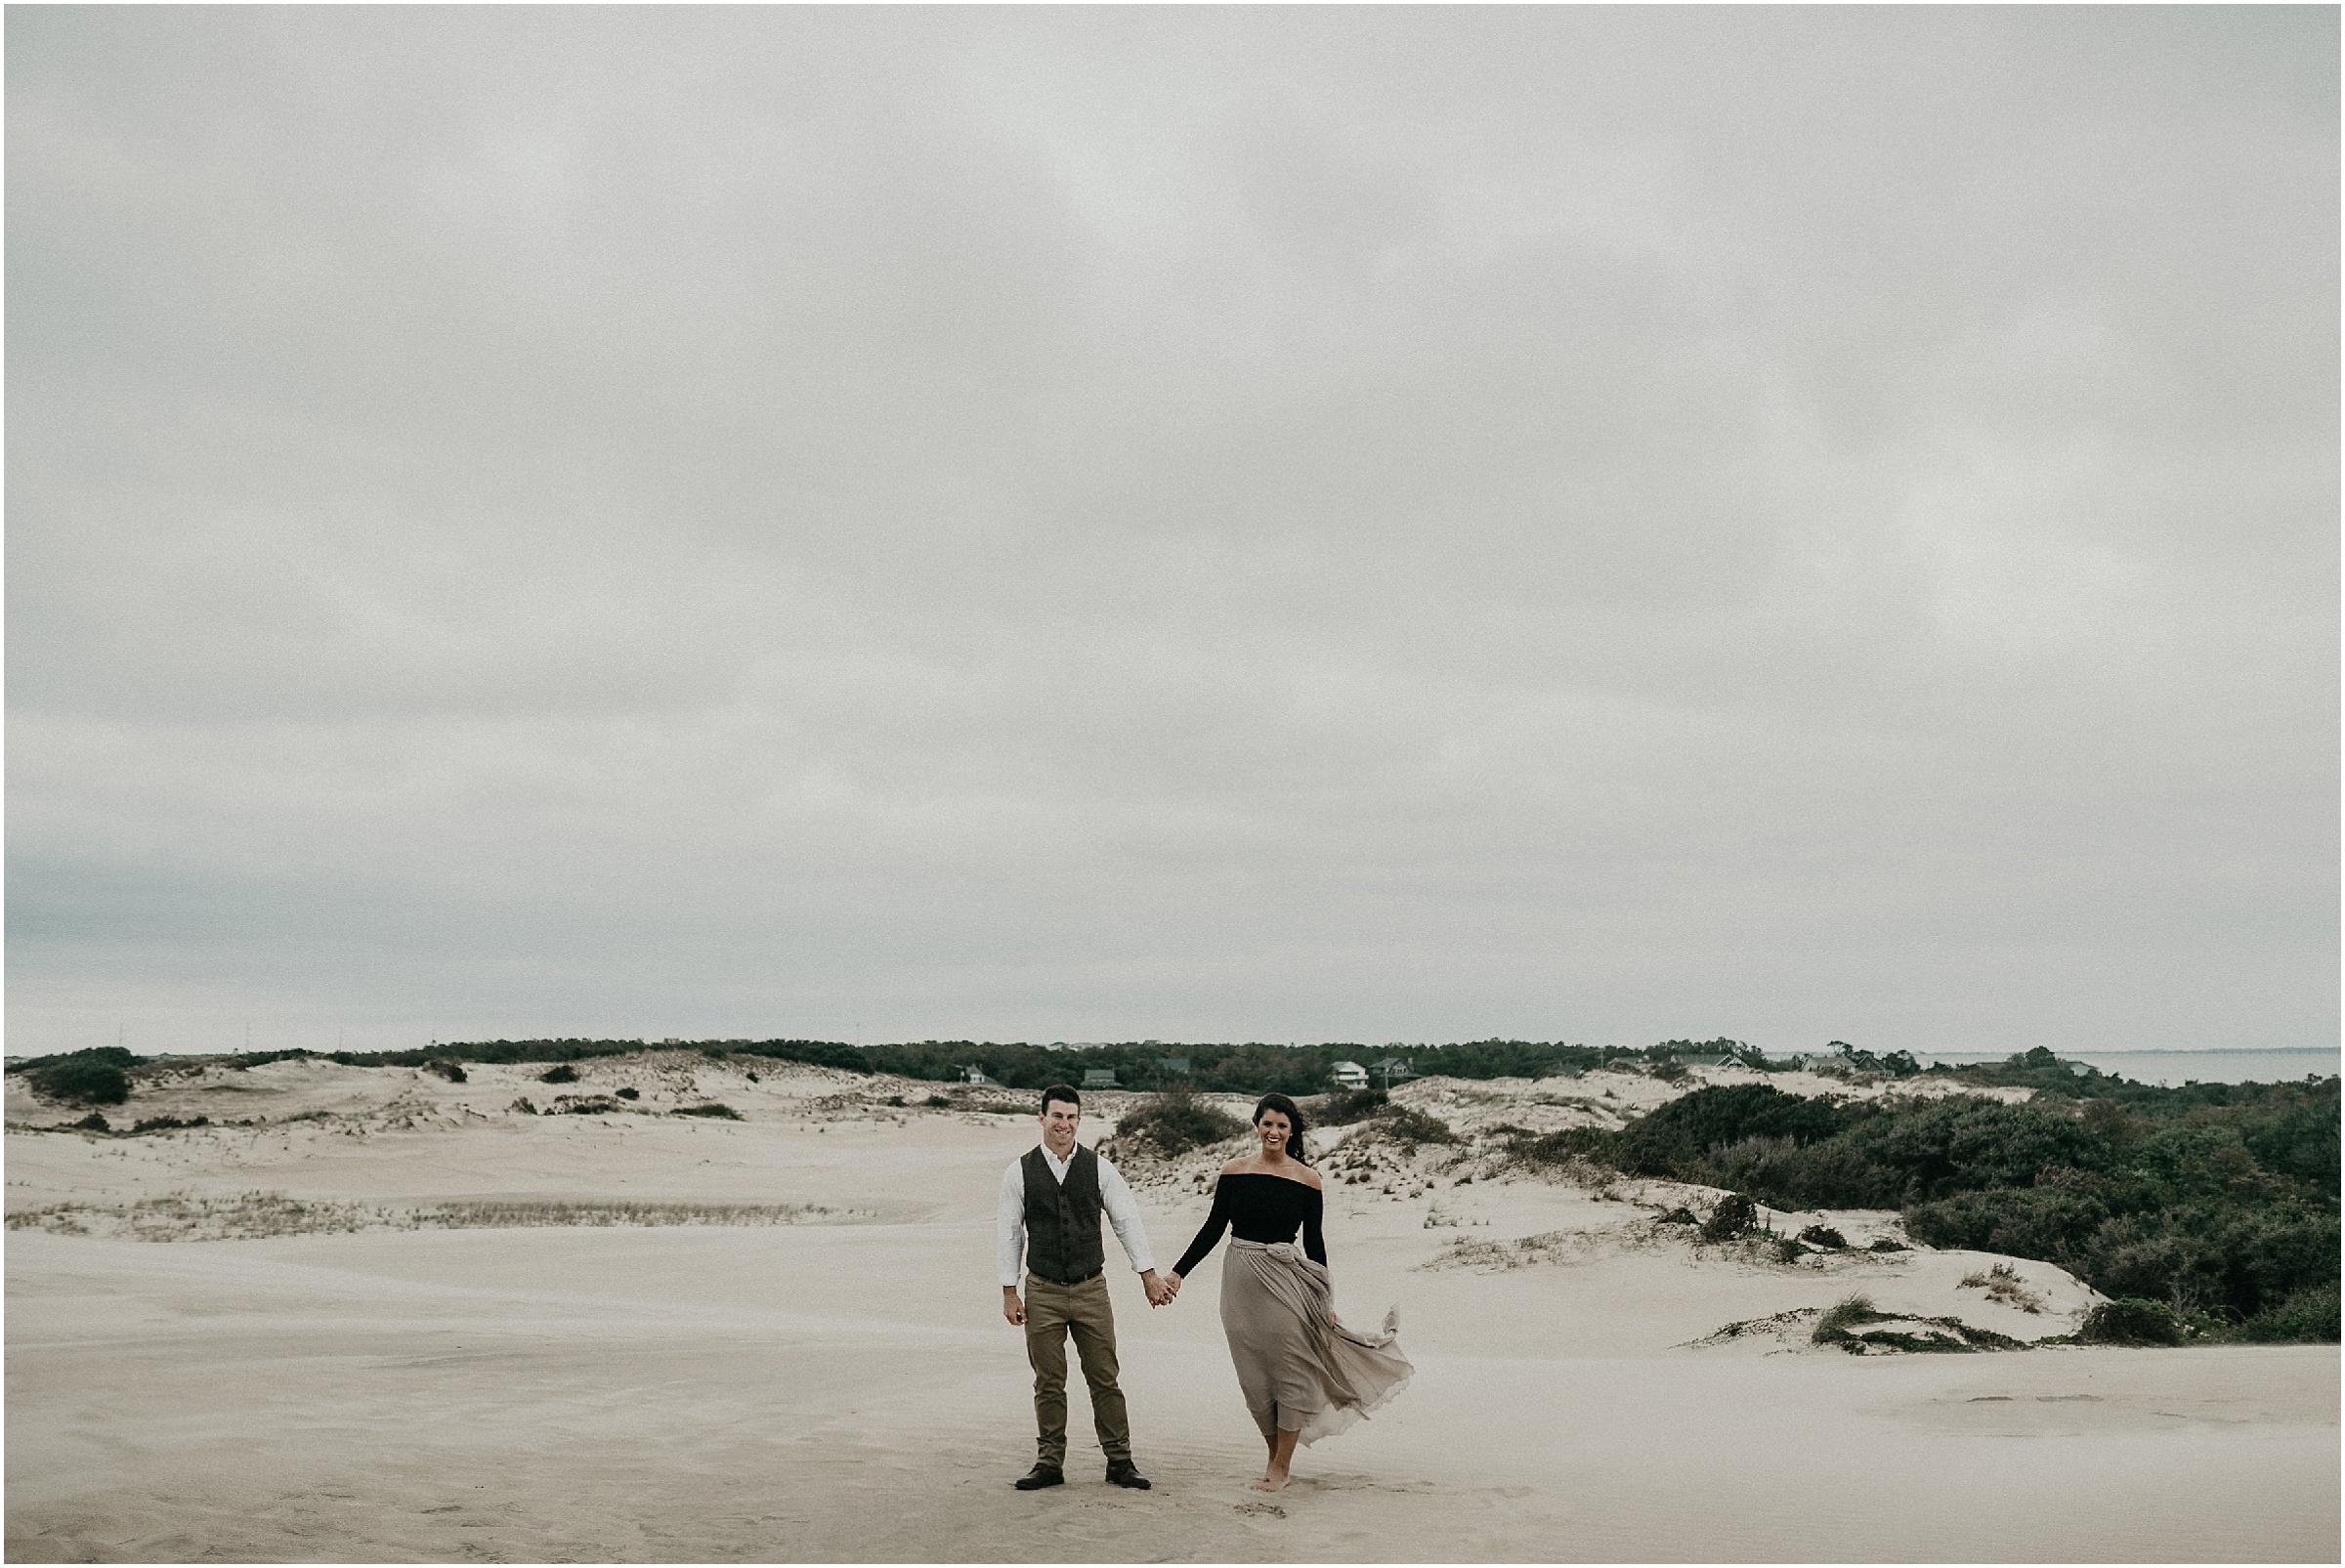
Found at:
<point>1041,1476</point>
<point>1123,1473</point>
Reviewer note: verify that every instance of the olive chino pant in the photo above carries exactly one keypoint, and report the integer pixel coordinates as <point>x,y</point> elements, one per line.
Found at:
<point>1052,1312</point>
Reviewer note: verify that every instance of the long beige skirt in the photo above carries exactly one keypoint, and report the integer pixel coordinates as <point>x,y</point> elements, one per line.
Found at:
<point>1302,1371</point>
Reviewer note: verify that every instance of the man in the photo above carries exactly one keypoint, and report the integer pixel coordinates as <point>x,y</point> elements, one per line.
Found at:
<point>1052,1201</point>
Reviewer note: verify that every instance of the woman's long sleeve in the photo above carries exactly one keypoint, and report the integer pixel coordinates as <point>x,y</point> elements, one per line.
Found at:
<point>1209,1235</point>
<point>1314,1242</point>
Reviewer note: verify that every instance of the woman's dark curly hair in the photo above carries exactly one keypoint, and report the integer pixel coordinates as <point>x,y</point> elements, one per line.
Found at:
<point>1286,1108</point>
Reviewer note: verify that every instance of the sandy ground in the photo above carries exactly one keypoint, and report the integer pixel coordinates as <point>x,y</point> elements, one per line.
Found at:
<point>836,1382</point>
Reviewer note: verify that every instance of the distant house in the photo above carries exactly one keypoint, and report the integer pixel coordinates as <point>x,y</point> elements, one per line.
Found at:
<point>973,1073</point>
<point>1350,1075</point>
<point>1098,1078</point>
<point>1561,1070</point>
<point>1708,1061</point>
<point>1173,1064</point>
<point>1390,1071</point>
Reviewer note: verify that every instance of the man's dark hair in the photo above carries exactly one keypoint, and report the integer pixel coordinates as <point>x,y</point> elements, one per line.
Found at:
<point>1060,1092</point>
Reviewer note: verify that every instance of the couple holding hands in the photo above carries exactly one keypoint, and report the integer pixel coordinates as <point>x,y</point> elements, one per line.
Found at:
<point>1305,1374</point>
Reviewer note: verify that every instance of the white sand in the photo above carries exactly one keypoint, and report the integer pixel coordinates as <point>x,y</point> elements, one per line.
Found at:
<point>844,1387</point>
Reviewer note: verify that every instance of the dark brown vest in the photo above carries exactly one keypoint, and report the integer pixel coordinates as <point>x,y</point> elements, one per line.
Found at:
<point>1062,1218</point>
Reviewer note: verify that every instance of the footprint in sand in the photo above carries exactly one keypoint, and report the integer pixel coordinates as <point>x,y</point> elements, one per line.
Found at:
<point>1272,1510</point>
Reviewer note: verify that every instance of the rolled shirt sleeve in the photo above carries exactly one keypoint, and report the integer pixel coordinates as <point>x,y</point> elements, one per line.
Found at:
<point>1009,1226</point>
<point>1124,1214</point>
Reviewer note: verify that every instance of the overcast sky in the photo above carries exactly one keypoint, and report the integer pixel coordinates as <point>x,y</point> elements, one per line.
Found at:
<point>1311,524</point>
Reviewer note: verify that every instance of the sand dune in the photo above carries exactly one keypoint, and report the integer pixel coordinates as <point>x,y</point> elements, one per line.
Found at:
<point>836,1382</point>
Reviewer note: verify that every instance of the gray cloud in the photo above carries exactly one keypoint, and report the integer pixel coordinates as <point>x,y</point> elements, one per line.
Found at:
<point>1075,524</point>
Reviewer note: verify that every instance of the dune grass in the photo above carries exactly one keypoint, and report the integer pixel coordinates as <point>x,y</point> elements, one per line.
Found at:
<point>258,1216</point>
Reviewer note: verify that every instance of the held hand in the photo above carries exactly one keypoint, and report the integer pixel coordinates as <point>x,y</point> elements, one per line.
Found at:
<point>1157,1295</point>
<point>1011,1307</point>
<point>1171,1285</point>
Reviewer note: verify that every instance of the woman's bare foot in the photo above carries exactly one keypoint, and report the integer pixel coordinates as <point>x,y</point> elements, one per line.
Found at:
<point>1282,1456</point>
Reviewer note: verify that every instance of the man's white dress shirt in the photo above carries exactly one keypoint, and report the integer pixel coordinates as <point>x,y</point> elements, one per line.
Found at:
<point>1114,1196</point>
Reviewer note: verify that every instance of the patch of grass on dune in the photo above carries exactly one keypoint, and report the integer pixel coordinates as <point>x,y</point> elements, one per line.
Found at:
<point>187,1217</point>
<point>1846,1324</point>
<point>521,1215</point>
<point>258,1216</point>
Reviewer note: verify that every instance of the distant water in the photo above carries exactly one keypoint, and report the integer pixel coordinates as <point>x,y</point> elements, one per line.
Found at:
<point>2172,1068</point>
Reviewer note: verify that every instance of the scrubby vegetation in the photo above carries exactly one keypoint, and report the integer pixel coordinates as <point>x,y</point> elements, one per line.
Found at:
<point>1734,1215</point>
<point>1147,1065</point>
<point>723,1113</point>
<point>85,1078</point>
<point>2130,1321</point>
<point>1344,1107</point>
<point>1173,1123</point>
<point>2219,1202</point>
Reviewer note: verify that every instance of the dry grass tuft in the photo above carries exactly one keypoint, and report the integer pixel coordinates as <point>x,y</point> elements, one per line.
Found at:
<point>2003,1285</point>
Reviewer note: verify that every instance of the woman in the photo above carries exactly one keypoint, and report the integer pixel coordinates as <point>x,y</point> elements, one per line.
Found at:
<point>1305,1374</point>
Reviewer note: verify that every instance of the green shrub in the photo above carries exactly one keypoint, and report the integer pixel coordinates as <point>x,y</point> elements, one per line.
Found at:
<point>723,1112</point>
<point>2308,1316</point>
<point>1734,1215</point>
<point>167,1123</point>
<point>1831,1174</point>
<point>2130,1321</point>
<point>114,1054</point>
<point>1825,1238</point>
<point>1346,1106</point>
<point>562,1073</point>
<point>1671,1140</point>
<point>628,1091</point>
<point>1173,1123</point>
<point>813,1053</point>
<point>93,1122</point>
<point>1411,1129</point>
<point>88,1078</point>
<point>1596,1146</point>
<point>454,1072</point>
<point>2218,1199</point>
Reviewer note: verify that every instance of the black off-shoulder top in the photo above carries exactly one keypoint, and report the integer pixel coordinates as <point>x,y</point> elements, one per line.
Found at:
<point>1260,1208</point>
